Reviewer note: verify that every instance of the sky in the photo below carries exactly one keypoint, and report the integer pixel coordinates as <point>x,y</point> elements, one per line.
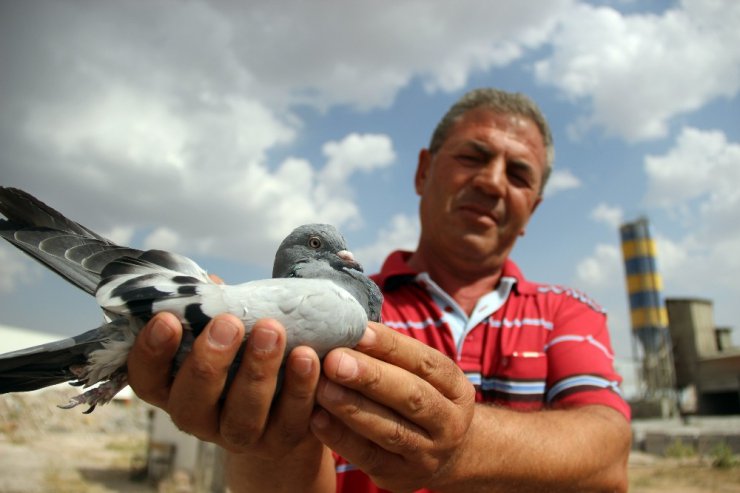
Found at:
<point>212,128</point>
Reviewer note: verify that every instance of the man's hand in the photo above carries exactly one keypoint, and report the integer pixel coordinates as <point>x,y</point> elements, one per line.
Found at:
<point>395,408</point>
<point>405,415</point>
<point>245,422</point>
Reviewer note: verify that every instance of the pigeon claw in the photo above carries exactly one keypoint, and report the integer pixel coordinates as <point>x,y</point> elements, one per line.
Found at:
<point>102,394</point>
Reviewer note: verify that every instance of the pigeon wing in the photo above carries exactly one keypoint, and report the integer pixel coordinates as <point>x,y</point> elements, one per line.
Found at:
<point>71,250</point>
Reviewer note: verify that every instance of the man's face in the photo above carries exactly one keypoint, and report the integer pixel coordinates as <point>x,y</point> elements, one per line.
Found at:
<point>480,188</point>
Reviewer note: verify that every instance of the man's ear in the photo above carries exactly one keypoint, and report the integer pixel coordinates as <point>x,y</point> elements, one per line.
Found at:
<point>535,205</point>
<point>537,202</point>
<point>422,169</point>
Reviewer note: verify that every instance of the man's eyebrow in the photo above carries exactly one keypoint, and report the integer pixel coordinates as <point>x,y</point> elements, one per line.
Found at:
<point>521,164</point>
<point>479,147</point>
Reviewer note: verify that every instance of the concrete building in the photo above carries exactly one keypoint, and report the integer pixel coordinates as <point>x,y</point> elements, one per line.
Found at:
<point>707,365</point>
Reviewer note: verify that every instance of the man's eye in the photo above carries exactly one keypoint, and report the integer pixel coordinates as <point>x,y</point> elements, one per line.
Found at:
<point>520,179</point>
<point>470,158</point>
<point>520,174</point>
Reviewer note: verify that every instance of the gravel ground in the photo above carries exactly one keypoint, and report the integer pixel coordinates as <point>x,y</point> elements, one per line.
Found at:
<point>46,449</point>
<point>651,474</point>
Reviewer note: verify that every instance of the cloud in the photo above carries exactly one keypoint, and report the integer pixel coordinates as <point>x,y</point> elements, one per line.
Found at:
<point>690,266</point>
<point>15,269</point>
<point>329,188</point>
<point>402,233</point>
<point>379,47</point>
<point>162,239</point>
<point>612,216</point>
<point>601,268</point>
<point>696,184</point>
<point>560,181</point>
<point>171,116</point>
<point>693,267</point>
<point>699,178</point>
<point>118,234</point>
<point>639,71</point>
<point>354,152</point>
<point>673,257</point>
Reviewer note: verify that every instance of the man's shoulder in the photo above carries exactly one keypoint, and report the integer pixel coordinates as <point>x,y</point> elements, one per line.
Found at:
<point>555,292</point>
<point>393,267</point>
<point>567,295</point>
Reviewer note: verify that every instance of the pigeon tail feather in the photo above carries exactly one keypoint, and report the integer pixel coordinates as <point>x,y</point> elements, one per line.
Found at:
<point>49,364</point>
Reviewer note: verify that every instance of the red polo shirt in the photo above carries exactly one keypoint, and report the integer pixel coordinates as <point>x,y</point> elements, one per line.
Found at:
<point>526,346</point>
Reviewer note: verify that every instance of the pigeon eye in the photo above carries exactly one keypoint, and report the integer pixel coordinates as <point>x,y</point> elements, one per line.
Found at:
<point>314,242</point>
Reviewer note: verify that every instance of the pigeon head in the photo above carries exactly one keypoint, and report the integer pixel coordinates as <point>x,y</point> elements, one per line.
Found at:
<point>313,242</point>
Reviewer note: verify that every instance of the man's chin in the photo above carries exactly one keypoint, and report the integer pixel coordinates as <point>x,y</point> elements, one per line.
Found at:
<point>485,245</point>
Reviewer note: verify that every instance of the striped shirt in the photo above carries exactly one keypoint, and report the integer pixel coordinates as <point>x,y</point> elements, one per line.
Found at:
<point>526,346</point>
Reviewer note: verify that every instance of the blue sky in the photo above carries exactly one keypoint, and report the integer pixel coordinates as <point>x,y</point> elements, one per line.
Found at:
<point>213,128</point>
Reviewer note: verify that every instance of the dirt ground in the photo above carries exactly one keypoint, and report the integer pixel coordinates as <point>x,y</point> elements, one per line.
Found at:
<point>651,474</point>
<point>46,449</point>
<point>67,462</point>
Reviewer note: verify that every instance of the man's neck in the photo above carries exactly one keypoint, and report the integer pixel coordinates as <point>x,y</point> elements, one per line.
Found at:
<point>465,286</point>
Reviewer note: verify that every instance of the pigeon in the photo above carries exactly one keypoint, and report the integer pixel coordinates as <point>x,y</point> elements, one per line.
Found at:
<point>318,292</point>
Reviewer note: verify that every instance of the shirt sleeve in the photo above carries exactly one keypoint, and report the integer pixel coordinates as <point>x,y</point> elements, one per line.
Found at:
<point>580,358</point>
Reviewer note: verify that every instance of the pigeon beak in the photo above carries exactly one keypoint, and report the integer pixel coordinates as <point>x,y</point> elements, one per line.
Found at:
<point>349,260</point>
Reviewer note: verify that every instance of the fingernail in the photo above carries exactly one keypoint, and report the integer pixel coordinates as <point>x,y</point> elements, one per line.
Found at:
<point>368,338</point>
<point>346,367</point>
<point>302,366</point>
<point>222,333</point>
<point>159,334</point>
<point>333,392</point>
<point>320,419</point>
<point>264,339</point>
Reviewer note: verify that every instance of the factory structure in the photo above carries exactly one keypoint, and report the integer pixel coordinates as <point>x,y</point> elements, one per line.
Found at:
<point>688,364</point>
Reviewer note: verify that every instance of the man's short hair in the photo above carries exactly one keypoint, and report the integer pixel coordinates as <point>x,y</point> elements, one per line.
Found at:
<point>499,101</point>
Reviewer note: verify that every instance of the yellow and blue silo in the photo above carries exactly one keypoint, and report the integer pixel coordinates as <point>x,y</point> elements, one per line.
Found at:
<point>647,308</point>
<point>644,284</point>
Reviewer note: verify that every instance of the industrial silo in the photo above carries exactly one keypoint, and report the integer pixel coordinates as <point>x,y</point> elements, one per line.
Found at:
<point>647,309</point>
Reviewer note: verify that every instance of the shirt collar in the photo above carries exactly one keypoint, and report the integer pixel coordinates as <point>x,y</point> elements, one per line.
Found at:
<point>396,271</point>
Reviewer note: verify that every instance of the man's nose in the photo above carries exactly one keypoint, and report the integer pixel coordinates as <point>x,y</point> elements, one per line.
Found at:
<point>491,178</point>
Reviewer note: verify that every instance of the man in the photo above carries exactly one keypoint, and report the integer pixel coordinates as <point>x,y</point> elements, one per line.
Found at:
<point>504,384</point>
